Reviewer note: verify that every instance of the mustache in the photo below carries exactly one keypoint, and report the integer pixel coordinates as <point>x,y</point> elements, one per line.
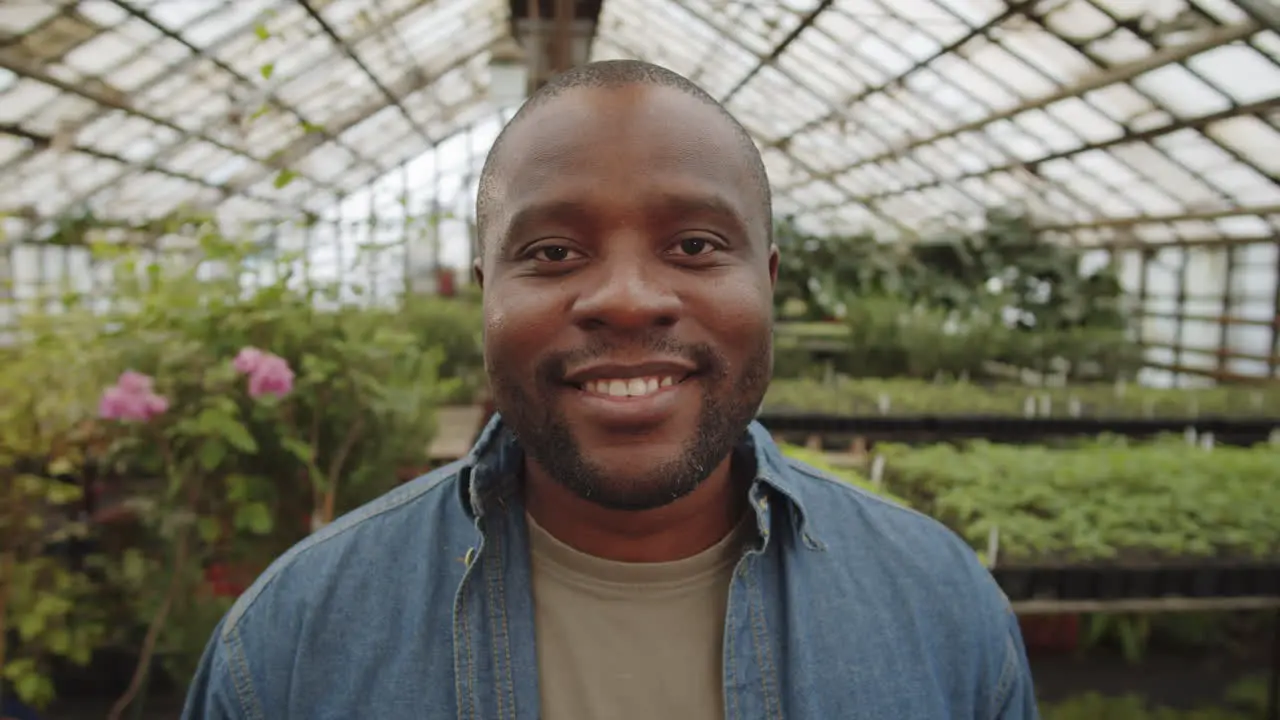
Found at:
<point>553,368</point>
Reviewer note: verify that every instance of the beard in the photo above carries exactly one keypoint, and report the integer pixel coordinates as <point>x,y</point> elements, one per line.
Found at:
<point>728,406</point>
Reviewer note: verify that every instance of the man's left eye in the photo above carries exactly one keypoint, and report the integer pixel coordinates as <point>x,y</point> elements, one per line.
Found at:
<point>695,246</point>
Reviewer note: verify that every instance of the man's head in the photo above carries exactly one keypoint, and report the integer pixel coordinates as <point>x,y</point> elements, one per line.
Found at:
<point>628,269</point>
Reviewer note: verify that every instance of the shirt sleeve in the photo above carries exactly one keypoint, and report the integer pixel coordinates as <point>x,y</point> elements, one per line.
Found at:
<point>213,694</point>
<point>1017,692</point>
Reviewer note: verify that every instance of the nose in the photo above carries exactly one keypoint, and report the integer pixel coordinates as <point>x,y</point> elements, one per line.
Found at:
<point>627,292</point>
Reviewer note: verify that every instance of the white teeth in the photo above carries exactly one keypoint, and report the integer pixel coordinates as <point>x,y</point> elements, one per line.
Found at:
<point>630,387</point>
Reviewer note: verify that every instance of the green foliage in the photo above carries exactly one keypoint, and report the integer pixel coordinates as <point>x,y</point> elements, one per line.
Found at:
<point>1094,706</point>
<point>870,396</point>
<point>818,461</point>
<point>1131,631</point>
<point>955,303</point>
<point>1105,500</point>
<point>221,476</point>
<point>45,605</point>
<point>453,326</point>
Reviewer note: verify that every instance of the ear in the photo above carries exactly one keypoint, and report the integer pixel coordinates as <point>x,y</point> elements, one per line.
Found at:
<point>773,266</point>
<point>477,271</point>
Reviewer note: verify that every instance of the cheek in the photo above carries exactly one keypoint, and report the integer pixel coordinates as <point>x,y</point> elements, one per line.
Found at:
<point>737,314</point>
<point>517,327</point>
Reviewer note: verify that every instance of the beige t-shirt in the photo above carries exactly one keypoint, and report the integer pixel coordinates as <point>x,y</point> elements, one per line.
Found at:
<point>630,641</point>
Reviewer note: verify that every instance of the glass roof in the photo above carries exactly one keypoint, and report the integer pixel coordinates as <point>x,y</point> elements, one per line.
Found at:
<point>897,116</point>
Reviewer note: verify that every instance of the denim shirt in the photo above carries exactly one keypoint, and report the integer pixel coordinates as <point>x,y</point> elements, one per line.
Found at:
<point>418,606</point>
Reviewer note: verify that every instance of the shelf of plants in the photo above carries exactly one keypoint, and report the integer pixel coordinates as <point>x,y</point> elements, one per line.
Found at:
<point>902,409</point>
<point>1106,519</point>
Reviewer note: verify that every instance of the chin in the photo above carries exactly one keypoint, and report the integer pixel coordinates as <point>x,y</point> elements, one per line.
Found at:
<point>636,477</point>
<point>637,493</point>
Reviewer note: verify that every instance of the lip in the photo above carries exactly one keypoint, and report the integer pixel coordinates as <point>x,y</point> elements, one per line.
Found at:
<point>626,371</point>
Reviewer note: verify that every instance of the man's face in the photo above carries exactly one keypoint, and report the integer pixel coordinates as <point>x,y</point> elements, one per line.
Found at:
<point>628,284</point>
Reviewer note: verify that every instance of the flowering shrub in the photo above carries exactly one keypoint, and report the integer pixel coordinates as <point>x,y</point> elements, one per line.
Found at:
<point>227,423</point>
<point>268,374</point>
<point>132,398</point>
<point>49,609</point>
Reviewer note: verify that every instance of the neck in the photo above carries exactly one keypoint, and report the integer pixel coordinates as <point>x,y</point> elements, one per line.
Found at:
<point>675,531</point>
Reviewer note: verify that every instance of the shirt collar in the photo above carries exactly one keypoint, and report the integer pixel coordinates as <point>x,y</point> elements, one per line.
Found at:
<point>490,474</point>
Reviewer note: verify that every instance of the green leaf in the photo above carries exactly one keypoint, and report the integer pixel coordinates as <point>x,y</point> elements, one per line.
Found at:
<point>53,606</point>
<point>134,566</point>
<point>30,625</point>
<point>298,449</point>
<point>209,530</point>
<point>262,110</point>
<point>60,493</point>
<point>82,651</point>
<point>212,454</point>
<point>267,70</point>
<point>60,641</point>
<point>19,668</point>
<point>254,517</point>
<point>285,177</point>
<point>215,421</point>
<point>61,466</point>
<point>34,689</point>
<point>238,487</point>
<point>261,31</point>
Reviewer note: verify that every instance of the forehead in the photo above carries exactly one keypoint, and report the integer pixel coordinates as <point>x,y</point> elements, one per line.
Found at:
<point>619,146</point>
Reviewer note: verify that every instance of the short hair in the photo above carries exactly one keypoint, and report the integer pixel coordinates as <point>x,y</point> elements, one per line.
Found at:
<point>610,74</point>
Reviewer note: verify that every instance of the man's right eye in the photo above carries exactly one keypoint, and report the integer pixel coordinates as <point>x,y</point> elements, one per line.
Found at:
<point>553,253</point>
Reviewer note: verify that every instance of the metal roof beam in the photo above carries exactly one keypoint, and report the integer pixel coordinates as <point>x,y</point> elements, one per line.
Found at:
<point>837,113</point>
<point>19,66</point>
<point>393,100</point>
<point>1120,73</point>
<point>409,83</point>
<point>1266,12</point>
<point>777,51</point>
<point>270,96</point>
<point>46,142</point>
<point>231,36</point>
<point>1189,216</point>
<point>1125,139</point>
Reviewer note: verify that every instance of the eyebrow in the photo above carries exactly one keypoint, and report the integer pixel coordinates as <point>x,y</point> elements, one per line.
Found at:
<point>563,212</point>
<point>575,212</point>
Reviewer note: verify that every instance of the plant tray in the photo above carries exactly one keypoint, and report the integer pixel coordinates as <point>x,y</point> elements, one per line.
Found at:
<point>1088,582</point>
<point>1233,431</point>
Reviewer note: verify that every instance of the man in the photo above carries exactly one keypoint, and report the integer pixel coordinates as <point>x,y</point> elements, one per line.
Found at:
<point>623,542</point>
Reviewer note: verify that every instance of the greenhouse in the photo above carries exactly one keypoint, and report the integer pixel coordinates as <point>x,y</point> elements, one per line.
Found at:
<point>1029,286</point>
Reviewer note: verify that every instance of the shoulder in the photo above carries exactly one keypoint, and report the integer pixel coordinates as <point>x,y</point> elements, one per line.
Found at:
<point>919,576</point>
<point>846,513</point>
<point>366,545</point>
<point>915,561</point>
<point>330,601</point>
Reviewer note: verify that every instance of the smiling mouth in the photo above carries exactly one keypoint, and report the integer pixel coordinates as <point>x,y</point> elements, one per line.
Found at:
<point>631,387</point>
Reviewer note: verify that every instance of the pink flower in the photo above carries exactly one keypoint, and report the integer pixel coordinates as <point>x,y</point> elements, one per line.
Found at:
<point>135,382</point>
<point>132,399</point>
<point>271,377</point>
<point>268,374</point>
<point>248,360</point>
